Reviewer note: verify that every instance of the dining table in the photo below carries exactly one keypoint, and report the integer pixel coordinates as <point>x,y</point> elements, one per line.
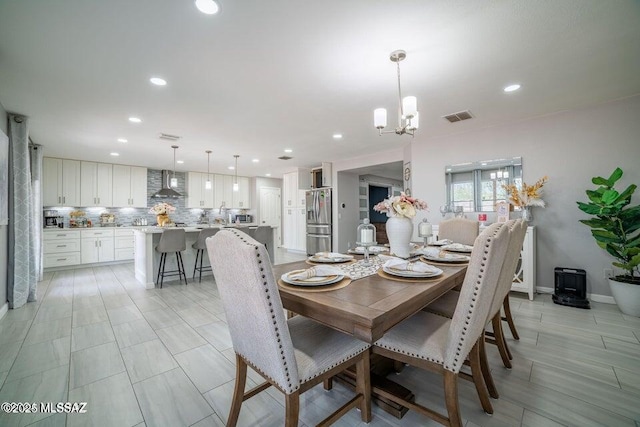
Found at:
<point>367,308</point>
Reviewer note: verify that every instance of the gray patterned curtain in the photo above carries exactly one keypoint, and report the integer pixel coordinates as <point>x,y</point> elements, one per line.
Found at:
<point>22,274</point>
<point>35,157</point>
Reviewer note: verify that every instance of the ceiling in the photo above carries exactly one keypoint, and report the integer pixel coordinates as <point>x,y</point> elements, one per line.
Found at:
<point>261,76</point>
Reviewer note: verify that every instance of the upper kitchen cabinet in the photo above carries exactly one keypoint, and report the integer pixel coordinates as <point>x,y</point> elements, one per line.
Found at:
<point>241,198</point>
<point>294,184</point>
<point>198,196</point>
<point>129,186</point>
<point>225,196</point>
<point>61,182</point>
<point>96,184</point>
<point>223,191</point>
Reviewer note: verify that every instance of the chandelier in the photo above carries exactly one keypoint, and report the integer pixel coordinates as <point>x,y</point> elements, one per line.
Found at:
<point>407,107</point>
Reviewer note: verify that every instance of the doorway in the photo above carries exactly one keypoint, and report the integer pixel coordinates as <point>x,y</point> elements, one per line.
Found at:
<point>270,211</point>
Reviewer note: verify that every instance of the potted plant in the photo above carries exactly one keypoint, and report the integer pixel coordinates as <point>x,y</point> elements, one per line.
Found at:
<point>616,228</point>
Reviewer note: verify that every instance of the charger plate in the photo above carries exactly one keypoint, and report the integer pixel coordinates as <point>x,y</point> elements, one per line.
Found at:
<point>335,286</point>
<point>408,279</point>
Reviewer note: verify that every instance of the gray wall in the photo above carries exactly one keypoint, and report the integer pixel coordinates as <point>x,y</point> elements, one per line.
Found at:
<point>4,231</point>
<point>348,217</point>
<point>570,147</point>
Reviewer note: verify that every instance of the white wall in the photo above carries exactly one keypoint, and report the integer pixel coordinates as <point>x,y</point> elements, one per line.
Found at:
<point>4,231</point>
<point>348,218</point>
<point>570,147</point>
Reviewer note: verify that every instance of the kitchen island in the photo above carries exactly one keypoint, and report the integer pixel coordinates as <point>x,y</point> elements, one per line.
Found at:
<point>147,259</point>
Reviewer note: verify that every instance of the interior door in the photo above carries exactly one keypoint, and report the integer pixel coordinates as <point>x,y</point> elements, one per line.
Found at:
<point>270,210</point>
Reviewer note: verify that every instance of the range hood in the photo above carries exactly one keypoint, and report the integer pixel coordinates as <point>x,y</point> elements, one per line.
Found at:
<point>166,192</point>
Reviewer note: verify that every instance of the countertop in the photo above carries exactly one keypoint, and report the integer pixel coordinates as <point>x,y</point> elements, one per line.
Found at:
<point>151,228</point>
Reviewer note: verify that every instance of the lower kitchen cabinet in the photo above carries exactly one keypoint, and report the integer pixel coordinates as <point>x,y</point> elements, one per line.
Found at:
<point>61,248</point>
<point>96,245</point>
<point>295,229</point>
<point>123,243</point>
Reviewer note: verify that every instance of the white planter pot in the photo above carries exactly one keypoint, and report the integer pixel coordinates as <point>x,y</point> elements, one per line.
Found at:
<point>627,297</point>
<point>399,231</point>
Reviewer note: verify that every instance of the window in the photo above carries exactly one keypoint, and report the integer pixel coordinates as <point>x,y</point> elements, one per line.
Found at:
<point>477,187</point>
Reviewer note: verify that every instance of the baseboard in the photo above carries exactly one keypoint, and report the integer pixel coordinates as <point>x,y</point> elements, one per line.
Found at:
<point>606,299</point>
<point>4,309</point>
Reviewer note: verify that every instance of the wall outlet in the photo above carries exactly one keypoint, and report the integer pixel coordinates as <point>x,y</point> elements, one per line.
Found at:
<point>608,273</point>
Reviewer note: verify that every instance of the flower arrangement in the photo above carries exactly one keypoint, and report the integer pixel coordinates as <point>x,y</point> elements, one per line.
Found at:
<point>162,209</point>
<point>400,206</point>
<point>529,195</point>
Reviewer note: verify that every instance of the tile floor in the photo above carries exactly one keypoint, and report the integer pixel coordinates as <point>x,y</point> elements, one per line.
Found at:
<point>163,357</point>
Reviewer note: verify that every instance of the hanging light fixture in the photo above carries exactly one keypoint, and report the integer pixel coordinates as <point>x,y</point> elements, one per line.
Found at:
<point>174,181</point>
<point>408,117</point>
<point>235,180</point>
<point>207,183</point>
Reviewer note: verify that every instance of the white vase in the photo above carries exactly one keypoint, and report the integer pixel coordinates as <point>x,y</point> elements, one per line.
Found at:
<point>627,297</point>
<point>399,230</point>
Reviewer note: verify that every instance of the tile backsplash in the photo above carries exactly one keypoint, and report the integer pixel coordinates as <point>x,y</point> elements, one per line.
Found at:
<point>126,216</point>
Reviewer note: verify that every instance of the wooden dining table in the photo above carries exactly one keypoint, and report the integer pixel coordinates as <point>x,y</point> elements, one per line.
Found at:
<point>367,308</point>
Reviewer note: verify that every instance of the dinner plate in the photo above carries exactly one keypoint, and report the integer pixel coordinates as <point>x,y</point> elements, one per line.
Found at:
<point>312,281</point>
<point>414,274</point>
<point>447,258</point>
<point>458,247</point>
<point>330,259</point>
<point>442,242</point>
<point>372,250</point>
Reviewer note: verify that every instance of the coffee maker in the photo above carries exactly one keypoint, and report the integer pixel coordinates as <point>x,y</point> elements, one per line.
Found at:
<point>52,219</point>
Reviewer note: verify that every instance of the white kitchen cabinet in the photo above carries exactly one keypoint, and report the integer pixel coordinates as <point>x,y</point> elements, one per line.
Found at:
<point>301,230</point>
<point>123,245</point>
<point>96,245</point>
<point>223,190</point>
<point>294,229</point>
<point>294,185</point>
<point>96,184</point>
<point>198,196</point>
<point>61,182</point>
<point>61,248</point>
<point>326,174</point>
<point>129,186</point>
<point>241,198</point>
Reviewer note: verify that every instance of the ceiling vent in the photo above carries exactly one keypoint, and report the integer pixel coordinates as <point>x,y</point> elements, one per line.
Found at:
<point>285,158</point>
<point>168,137</point>
<point>459,116</point>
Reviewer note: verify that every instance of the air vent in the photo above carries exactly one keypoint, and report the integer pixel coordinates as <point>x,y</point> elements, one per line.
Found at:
<point>168,137</point>
<point>285,158</point>
<point>459,116</point>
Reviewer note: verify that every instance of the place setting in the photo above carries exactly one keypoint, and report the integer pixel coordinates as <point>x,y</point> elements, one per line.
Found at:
<point>320,278</point>
<point>440,257</point>
<point>330,258</point>
<point>408,271</point>
<point>457,247</point>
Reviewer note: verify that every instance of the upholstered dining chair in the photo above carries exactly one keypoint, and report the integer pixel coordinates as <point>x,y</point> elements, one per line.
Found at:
<point>440,344</point>
<point>446,305</point>
<point>292,355</point>
<point>460,230</point>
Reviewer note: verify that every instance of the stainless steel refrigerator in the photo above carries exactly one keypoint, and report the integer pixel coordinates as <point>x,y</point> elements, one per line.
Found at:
<point>319,225</point>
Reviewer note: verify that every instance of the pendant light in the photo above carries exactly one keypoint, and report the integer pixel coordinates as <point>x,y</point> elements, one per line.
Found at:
<point>174,180</point>
<point>207,184</point>
<point>235,179</point>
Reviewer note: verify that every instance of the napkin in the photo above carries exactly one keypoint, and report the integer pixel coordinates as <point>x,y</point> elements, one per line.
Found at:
<point>319,270</point>
<point>458,247</point>
<point>403,264</point>
<point>442,242</point>
<point>331,255</point>
<point>431,252</point>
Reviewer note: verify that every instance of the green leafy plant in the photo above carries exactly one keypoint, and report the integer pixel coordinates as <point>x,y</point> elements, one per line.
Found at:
<point>616,226</point>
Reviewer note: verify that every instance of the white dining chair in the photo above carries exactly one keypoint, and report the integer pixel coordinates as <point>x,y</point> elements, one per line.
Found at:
<point>460,230</point>
<point>440,344</point>
<point>292,355</point>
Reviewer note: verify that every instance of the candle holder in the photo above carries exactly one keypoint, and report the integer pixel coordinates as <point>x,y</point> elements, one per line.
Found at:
<point>425,230</point>
<point>366,238</point>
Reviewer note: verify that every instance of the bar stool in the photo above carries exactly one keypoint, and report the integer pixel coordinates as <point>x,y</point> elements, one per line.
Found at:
<point>171,240</point>
<point>200,246</point>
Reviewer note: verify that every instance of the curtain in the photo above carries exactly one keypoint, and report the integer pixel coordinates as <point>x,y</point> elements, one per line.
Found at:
<point>35,157</point>
<point>22,276</point>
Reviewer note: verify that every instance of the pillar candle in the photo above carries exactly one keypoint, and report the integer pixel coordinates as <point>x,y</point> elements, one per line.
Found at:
<point>366,236</point>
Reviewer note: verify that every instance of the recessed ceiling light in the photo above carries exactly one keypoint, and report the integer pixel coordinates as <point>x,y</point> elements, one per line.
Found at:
<point>512,88</point>
<point>255,160</point>
<point>208,7</point>
<point>158,81</point>
<point>114,154</point>
<point>337,136</point>
<point>180,162</point>
<point>230,168</point>
<point>288,150</point>
<point>122,140</point>
<point>135,120</point>
<point>267,174</point>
